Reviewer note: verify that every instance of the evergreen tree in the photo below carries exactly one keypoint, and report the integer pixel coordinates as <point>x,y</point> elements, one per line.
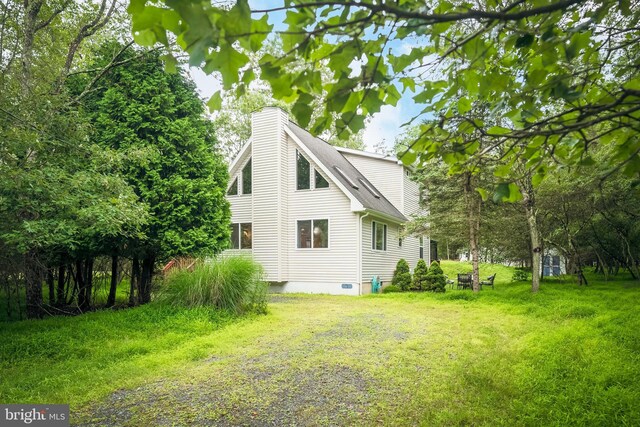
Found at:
<point>402,275</point>
<point>157,120</point>
<point>435,280</point>
<point>420,276</point>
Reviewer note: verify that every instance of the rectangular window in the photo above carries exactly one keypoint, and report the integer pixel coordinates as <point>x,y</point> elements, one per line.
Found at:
<point>320,181</point>
<point>313,233</point>
<point>246,236</point>
<point>400,231</point>
<point>320,233</point>
<point>421,247</point>
<point>378,236</point>
<point>233,190</point>
<point>241,236</point>
<point>246,178</point>
<point>303,172</point>
<point>235,236</point>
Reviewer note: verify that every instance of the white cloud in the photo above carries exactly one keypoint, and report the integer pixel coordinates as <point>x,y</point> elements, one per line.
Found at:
<point>207,85</point>
<point>383,126</point>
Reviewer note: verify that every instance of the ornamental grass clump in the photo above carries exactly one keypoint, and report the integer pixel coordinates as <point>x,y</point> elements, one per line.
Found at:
<point>402,275</point>
<point>230,283</point>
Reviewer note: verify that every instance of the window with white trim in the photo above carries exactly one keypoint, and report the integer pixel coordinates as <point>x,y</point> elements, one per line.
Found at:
<point>303,172</point>
<point>246,178</point>
<point>233,189</point>
<point>319,180</point>
<point>378,236</point>
<point>312,233</point>
<point>241,236</point>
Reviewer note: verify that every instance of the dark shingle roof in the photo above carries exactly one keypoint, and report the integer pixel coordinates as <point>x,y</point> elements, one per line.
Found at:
<point>347,174</point>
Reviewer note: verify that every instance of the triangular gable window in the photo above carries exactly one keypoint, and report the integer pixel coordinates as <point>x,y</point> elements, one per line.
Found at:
<point>233,189</point>
<point>320,181</point>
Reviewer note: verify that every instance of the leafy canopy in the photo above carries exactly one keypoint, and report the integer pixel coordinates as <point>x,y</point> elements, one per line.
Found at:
<point>554,77</point>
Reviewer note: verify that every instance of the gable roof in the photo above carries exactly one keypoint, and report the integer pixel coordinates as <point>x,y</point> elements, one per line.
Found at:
<point>344,172</point>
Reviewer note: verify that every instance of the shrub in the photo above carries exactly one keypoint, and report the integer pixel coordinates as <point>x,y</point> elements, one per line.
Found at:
<point>391,289</point>
<point>436,281</point>
<point>230,283</point>
<point>402,275</point>
<point>420,276</point>
<point>520,276</point>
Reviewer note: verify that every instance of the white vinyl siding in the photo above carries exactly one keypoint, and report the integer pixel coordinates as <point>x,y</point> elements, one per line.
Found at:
<point>266,156</point>
<point>385,175</point>
<point>382,263</point>
<point>411,197</point>
<point>336,264</point>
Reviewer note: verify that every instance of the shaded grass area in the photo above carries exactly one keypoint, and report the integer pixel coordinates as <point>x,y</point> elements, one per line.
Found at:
<point>565,356</point>
<point>79,359</point>
<point>13,307</point>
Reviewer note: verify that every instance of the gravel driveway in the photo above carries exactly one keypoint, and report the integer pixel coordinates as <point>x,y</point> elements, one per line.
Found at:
<point>313,368</point>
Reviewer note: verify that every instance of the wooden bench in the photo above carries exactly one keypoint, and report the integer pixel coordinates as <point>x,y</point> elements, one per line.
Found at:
<point>488,282</point>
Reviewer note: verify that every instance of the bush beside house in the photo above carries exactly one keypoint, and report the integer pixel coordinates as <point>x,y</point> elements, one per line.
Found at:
<point>435,279</point>
<point>420,276</point>
<point>401,276</point>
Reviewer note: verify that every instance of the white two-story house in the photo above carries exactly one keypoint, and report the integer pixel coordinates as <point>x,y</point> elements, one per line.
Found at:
<point>319,218</point>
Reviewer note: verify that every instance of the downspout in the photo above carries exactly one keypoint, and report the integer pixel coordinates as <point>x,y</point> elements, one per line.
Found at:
<point>360,228</point>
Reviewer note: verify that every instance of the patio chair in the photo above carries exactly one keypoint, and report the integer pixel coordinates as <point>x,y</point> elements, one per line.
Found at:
<point>465,281</point>
<point>488,282</point>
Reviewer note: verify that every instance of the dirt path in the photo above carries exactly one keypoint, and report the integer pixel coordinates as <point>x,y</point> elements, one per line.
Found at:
<point>312,368</point>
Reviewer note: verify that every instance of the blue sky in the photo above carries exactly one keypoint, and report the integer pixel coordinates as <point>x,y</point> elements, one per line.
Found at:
<point>383,126</point>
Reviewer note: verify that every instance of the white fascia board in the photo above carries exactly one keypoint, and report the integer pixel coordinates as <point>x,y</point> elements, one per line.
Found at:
<point>385,217</point>
<point>240,155</point>
<point>356,206</point>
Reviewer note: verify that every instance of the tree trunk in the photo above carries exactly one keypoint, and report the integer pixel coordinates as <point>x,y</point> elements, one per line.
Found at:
<point>51,286</point>
<point>144,290</point>
<point>528,200</point>
<point>473,216</point>
<point>33,284</point>
<point>88,284</point>
<point>60,298</point>
<point>135,278</point>
<point>111,300</point>
<point>80,283</point>
<point>32,9</point>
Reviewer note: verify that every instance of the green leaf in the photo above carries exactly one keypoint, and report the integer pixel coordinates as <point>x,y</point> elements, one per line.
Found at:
<point>136,6</point>
<point>228,62</point>
<point>498,130</point>
<point>501,192</point>
<point>524,41</point>
<point>303,109</point>
<point>145,37</point>
<point>409,157</point>
<point>464,105</point>
<point>170,63</point>
<point>215,102</point>
<point>483,193</point>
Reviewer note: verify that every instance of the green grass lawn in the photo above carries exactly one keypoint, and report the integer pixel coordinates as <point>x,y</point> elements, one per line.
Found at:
<point>565,356</point>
